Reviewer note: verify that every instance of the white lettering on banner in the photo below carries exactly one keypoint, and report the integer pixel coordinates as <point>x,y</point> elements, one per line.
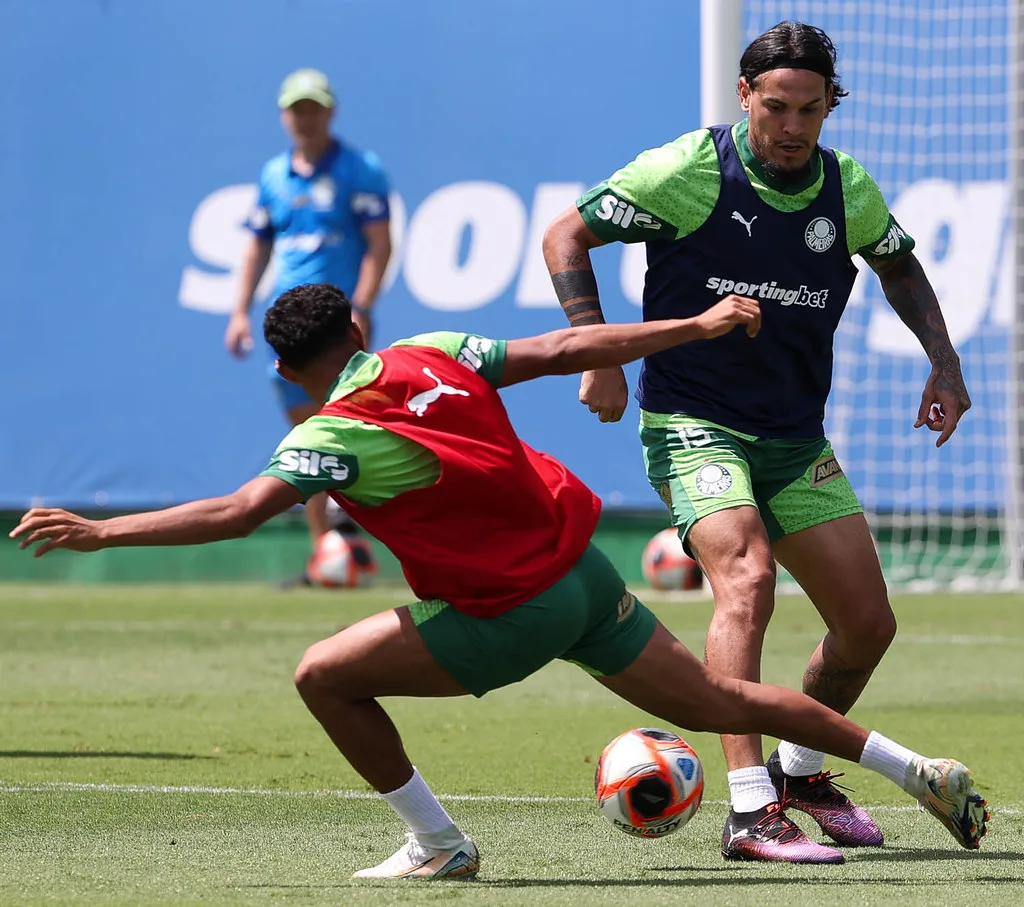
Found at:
<point>959,228</point>
<point>218,237</point>
<point>534,290</point>
<point>496,220</point>
<point>959,231</point>
<point>633,272</point>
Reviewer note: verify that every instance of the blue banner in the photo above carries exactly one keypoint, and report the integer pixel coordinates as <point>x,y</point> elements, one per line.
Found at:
<point>135,133</point>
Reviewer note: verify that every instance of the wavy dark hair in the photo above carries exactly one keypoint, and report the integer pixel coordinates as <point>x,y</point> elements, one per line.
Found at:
<point>306,322</point>
<point>793,45</point>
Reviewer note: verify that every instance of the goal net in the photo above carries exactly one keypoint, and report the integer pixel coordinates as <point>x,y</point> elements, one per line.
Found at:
<point>929,116</point>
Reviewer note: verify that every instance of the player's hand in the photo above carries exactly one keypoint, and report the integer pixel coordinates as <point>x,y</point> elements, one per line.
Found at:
<point>238,337</point>
<point>57,528</point>
<point>945,398</point>
<point>605,391</point>
<point>723,316</point>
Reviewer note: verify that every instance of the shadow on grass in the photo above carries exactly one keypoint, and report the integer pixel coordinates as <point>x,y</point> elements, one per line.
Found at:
<point>934,853</point>
<point>93,754</point>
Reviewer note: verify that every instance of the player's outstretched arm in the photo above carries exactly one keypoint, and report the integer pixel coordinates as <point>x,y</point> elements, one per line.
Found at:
<point>209,520</point>
<point>945,398</point>
<point>599,346</point>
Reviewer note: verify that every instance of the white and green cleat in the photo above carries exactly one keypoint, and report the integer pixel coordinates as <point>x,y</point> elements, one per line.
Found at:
<point>417,861</point>
<point>944,788</point>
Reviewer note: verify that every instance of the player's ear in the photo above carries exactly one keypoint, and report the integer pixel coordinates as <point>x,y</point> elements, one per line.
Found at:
<point>355,334</point>
<point>744,89</point>
<point>285,372</point>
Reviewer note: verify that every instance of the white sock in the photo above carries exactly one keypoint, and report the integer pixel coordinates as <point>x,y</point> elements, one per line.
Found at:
<point>751,789</point>
<point>890,760</point>
<point>799,761</point>
<point>425,816</point>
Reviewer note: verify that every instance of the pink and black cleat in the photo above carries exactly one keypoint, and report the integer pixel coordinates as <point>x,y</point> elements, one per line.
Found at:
<point>769,835</point>
<point>818,796</point>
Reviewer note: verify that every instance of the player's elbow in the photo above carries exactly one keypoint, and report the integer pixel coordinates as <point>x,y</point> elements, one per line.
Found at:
<point>558,237</point>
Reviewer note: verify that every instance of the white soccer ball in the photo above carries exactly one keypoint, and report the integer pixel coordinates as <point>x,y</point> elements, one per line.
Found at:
<point>667,566</point>
<point>649,782</point>
<point>338,562</point>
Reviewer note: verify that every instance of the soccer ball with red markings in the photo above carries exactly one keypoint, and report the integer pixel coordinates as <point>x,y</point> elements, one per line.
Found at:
<point>649,782</point>
<point>341,563</point>
<point>667,566</point>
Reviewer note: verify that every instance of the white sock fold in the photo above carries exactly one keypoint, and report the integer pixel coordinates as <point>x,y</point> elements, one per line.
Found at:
<point>426,817</point>
<point>751,789</point>
<point>890,760</point>
<point>799,761</point>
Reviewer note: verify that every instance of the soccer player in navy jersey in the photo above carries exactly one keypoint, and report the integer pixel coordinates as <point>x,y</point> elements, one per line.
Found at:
<point>732,432</point>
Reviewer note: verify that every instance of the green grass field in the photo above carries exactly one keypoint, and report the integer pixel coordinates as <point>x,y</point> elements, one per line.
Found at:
<point>153,751</point>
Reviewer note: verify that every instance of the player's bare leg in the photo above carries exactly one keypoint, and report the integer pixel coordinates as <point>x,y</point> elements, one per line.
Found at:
<point>732,549</point>
<point>668,681</point>
<point>340,679</point>
<point>860,626</point>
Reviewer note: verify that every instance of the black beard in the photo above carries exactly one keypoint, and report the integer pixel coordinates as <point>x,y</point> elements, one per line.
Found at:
<point>776,173</point>
<point>786,177</point>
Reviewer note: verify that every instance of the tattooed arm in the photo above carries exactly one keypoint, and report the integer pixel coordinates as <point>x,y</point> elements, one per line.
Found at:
<point>567,244</point>
<point>945,397</point>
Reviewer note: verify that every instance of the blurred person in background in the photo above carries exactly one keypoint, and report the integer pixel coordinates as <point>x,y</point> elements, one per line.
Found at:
<point>322,211</point>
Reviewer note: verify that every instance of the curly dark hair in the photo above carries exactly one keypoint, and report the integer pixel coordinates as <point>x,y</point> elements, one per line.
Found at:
<point>307,321</point>
<point>793,45</point>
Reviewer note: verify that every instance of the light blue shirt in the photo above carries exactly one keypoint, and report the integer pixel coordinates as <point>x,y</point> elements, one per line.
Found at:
<point>316,223</point>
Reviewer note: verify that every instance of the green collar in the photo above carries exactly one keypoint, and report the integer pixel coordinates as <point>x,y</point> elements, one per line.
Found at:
<point>357,361</point>
<point>739,135</point>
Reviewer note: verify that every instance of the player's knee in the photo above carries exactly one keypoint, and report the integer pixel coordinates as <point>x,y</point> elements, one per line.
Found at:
<point>320,671</point>
<point>745,592</point>
<point>868,636</point>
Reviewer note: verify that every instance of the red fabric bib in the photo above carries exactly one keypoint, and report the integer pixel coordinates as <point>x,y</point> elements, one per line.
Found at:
<point>502,523</point>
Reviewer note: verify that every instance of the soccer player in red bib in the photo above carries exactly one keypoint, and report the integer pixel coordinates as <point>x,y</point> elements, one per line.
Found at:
<point>495,541</point>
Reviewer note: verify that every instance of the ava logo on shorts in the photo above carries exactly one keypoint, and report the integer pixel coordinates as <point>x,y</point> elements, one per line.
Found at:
<point>825,470</point>
<point>626,605</point>
<point>820,234</point>
<point>713,480</point>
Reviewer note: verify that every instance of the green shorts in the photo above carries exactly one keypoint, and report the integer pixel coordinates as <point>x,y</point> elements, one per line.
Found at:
<point>699,468</point>
<point>587,617</point>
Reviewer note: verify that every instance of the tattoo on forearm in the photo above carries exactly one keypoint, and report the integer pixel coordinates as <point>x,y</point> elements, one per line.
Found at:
<point>577,294</point>
<point>912,298</point>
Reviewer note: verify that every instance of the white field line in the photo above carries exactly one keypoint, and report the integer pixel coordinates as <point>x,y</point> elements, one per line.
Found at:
<point>72,787</point>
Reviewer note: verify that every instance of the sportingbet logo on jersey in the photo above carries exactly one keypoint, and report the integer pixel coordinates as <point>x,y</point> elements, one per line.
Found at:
<point>313,463</point>
<point>814,299</point>
<point>625,215</point>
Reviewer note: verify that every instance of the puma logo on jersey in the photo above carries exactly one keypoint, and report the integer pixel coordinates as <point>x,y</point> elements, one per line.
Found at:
<point>746,223</point>
<point>422,400</point>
